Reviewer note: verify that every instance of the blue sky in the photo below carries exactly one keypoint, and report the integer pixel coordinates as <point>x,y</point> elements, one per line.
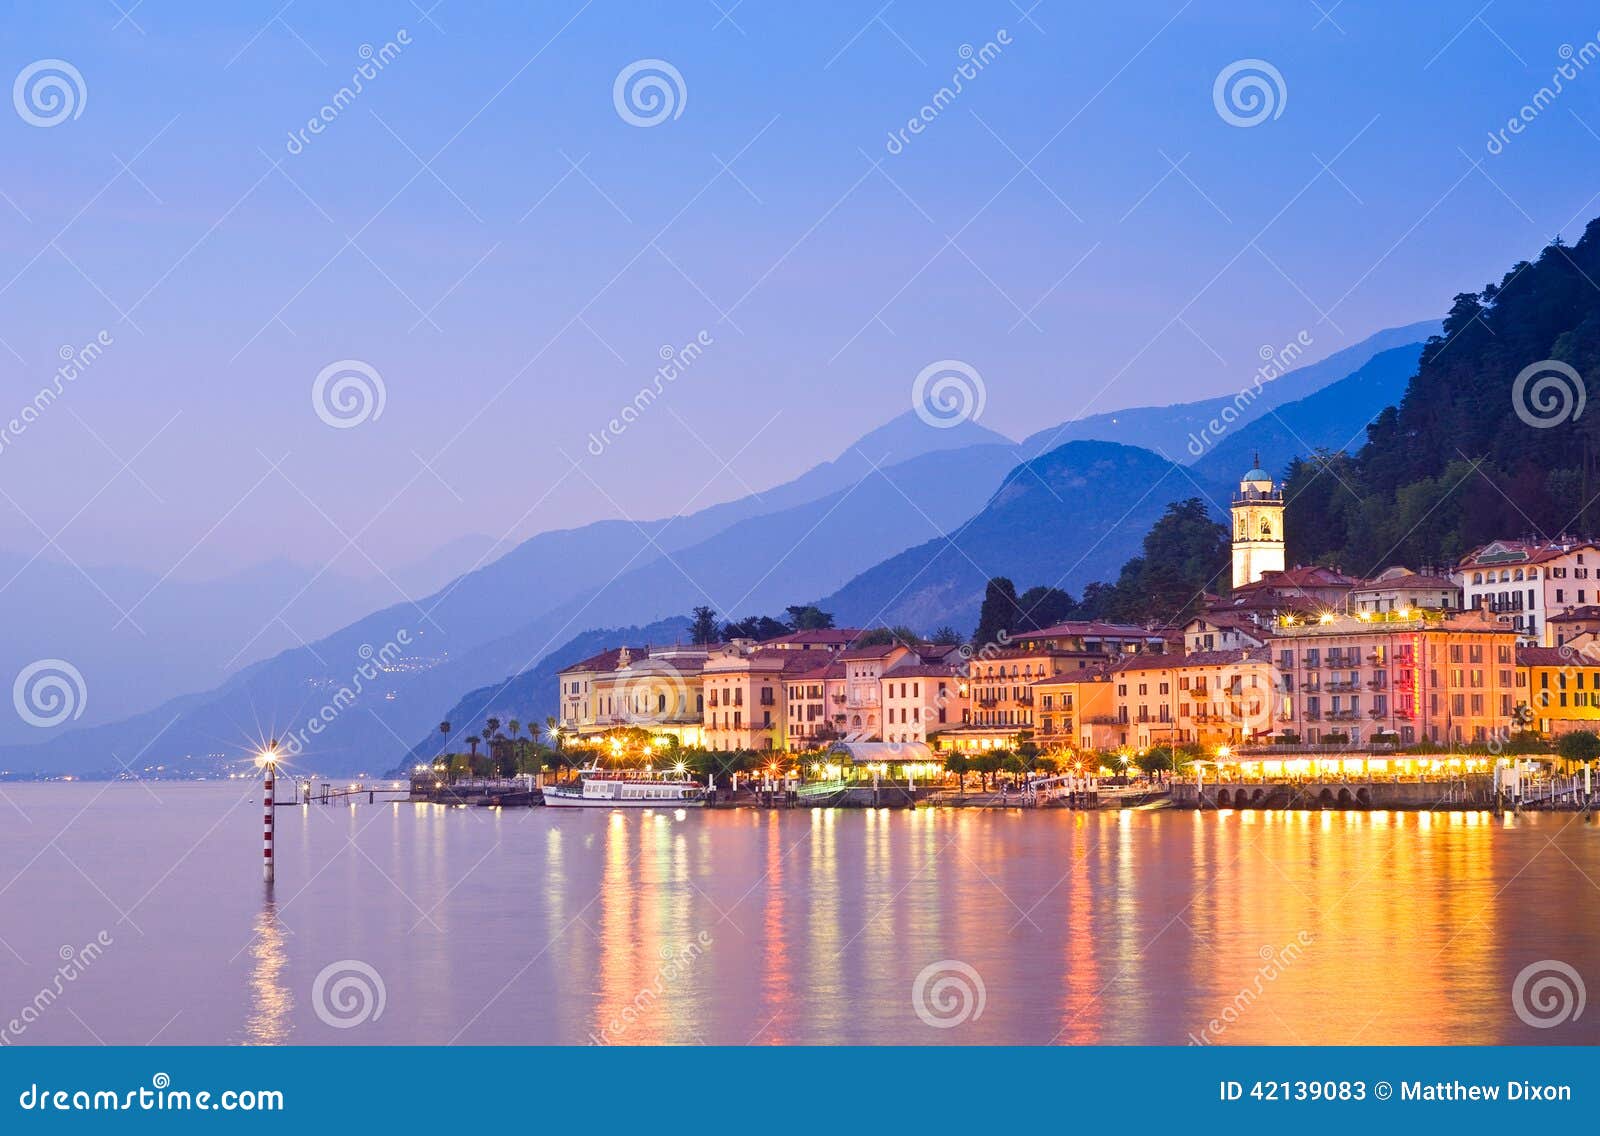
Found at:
<point>483,229</point>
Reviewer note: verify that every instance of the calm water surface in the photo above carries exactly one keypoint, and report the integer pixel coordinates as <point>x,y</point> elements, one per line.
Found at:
<point>544,926</point>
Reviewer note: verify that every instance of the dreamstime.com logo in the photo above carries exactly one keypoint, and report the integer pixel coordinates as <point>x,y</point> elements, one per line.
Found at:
<point>1548,393</point>
<point>49,692</point>
<point>948,393</point>
<point>948,993</point>
<point>158,1096</point>
<point>48,92</point>
<point>347,393</point>
<point>1247,92</point>
<point>348,993</point>
<point>647,92</point>
<point>1548,993</point>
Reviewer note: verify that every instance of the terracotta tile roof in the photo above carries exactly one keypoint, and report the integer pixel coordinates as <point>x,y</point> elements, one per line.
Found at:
<point>876,651</point>
<point>1089,629</point>
<point>604,661</point>
<point>1586,612</point>
<point>1547,657</point>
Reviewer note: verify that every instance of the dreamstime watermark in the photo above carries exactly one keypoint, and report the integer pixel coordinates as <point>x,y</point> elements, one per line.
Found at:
<point>1273,964</point>
<point>1574,61</point>
<point>74,362</point>
<point>647,92</point>
<point>948,393</point>
<point>74,962</point>
<point>373,61</point>
<point>676,963</point>
<point>48,92</point>
<point>948,993</point>
<point>1548,993</point>
<point>674,362</point>
<point>1548,393</point>
<point>347,393</point>
<point>1247,92</point>
<point>48,692</point>
<point>973,61</point>
<point>373,666</point>
<point>1275,363</point>
<point>348,993</point>
<point>158,1096</point>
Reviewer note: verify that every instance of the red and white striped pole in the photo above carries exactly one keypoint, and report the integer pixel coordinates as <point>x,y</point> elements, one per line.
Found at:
<point>268,811</point>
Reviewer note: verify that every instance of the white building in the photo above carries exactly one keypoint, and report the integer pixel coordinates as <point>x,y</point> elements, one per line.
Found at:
<point>1529,581</point>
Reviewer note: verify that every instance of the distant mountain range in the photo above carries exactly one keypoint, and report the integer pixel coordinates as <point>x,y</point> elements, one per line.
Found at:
<point>1168,429</point>
<point>903,526</point>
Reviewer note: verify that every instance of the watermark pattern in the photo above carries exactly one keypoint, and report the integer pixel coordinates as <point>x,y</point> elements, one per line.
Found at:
<point>674,362</point>
<point>348,393</point>
<point>373,61</point>
<point>652,694</point>
<point>948,993</point>
<point>74,362</point>
<point>74,962</point>
<point>676,962</point>
<point>48,692</point>
<point>1274,961</point>
<point>948,393</point>
<point>48,92</point>
<point>374,665</point>
<point>647,92</point>
<point>973,61</point>
<point>1275,362</point>
<point>1573,62</point>
<point>1548,393</point>
<point>1548,993</point>
<point>348,993</point>
<point>1248,92</point>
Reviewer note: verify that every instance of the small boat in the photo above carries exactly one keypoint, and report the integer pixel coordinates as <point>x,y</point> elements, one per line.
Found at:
<point>599,790</point>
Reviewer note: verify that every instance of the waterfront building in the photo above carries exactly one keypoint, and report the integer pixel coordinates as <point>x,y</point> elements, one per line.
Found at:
<point>830,639</point>
<point>1257,527</point>
<point>1400,589</point>
<point>744,687</point>
<point>659,692</point>
<point>920,699</point>
<point>1529,581</point>
<point>810,722</point>
<point>1402,677</point>
<point>578,711</point>
<point>1561,688</point>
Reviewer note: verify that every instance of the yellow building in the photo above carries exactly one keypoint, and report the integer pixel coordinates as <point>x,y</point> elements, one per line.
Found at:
<point>1561,688</point>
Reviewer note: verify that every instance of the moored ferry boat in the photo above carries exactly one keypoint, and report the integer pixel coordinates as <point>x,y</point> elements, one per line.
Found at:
<point>597,790</point>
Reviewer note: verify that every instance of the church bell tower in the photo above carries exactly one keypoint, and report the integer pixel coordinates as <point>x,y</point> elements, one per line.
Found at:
<point>1257,527</point>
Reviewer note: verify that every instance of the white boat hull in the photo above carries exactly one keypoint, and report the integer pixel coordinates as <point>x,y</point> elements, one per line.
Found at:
<point>563,801</point>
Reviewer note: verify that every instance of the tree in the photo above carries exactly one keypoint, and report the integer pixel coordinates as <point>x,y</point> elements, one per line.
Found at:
<point>880,636</point>
<point>956,762</point>
<point>946,636</point>
<point>809,617</point>
<point>703,626</point>
<point>999,611</point>
<point>1579,746</point>
<point>1040,607</point>
<point>757,627</point>
<point>444,730</point>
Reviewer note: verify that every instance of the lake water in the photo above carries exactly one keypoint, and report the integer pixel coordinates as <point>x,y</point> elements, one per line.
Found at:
<point>936,926</point>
